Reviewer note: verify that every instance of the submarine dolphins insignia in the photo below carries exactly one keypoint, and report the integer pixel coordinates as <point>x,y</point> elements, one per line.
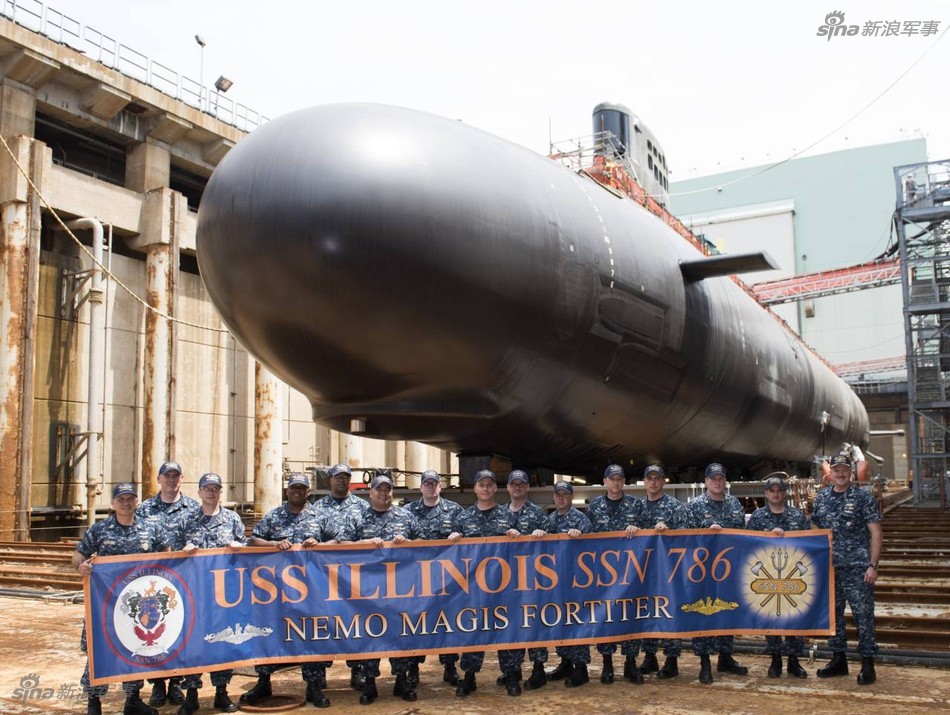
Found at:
<point>709,606</point>
<point>238,634</point>
<point>780,586</point>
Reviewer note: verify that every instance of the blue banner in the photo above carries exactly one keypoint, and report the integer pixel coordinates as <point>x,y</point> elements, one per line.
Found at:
<point>174,613</point>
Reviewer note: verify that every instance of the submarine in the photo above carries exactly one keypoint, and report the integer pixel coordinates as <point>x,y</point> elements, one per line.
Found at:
<point>417,278</point>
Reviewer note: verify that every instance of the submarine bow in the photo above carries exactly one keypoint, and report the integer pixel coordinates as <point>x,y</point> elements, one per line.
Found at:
<point>444,285</point>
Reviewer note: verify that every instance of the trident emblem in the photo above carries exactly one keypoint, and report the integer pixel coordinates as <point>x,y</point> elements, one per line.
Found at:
<point>778,586</point>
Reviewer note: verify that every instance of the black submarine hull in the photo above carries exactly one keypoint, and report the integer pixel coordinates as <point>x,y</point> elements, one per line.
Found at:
<point>440,284</point>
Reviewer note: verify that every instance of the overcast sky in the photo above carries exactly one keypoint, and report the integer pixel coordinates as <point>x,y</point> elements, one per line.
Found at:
<point>722,85</point>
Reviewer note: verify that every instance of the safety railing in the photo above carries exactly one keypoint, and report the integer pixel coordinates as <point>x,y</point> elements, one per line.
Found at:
<point>108,51</point>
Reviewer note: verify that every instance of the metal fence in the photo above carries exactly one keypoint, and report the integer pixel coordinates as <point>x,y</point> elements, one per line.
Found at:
<point>48,21</point>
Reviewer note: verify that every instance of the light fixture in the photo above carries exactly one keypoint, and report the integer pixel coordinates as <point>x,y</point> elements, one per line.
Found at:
<point>223,84</point>
<point>199,40</point>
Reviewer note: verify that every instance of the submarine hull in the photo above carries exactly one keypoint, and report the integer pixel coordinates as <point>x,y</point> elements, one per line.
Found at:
<point>441,284</point>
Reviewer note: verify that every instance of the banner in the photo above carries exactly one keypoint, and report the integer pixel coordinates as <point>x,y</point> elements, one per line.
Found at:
<point>173,613</point>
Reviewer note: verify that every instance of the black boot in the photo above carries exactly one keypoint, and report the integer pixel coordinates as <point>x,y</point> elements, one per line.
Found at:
<point>867,674</point>
<point>134,705</point>
<point>356,677</point>
<point>838,665</point>
<point>404,688</point>
<point>368,692</point>
<point>222,701</point>
<point>468,685</point>
<point>513,684</point>
<point>775,668</point>
<point>563,670</point>
<point>260,691</point>
<point>93,706</point>
<point>538,677</point>
<point>450,674</point>
<point>631,672</point>
<point>502,679</point>
<point>795,669</point>
<point>190,703</point>
<point>670,669</point>
<point>414,674</point>
<point>175,696</point>
<point>727,664</point>
<point>315,695</point>
<point>578,676</point>
<point>607,674</point>
<point>649,664</point>
<point>159,694</point>
<point>705,670</point>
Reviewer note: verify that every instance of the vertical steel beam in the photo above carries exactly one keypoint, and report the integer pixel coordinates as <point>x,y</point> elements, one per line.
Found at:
<point>268,444</point>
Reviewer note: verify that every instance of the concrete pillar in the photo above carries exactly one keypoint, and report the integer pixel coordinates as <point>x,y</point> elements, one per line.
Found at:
<point>416,461</point>
<point>268,444</point>
<point>351,450</point>
<point>20,223</point>
<point>147,167</point>
<point>17,110</point>
<point>158,368</point>
<point>163,224</point>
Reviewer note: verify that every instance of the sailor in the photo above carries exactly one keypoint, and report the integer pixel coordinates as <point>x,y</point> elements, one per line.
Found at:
<point>854,518</point>
<point>379,524</point>
<point>212,526</point>
<point>525,518</point>
<point>568,519</point>
<point>435,516</point>
<point>616,511</point>
<point>716,510</point>
<point>484,518</point>
<point>661,512</point>
<point>121,533</point>
<point>778,517</point>
<point>168,507</point>
<point>294,522</point>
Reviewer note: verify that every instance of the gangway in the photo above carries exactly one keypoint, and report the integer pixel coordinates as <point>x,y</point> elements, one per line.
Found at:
<point>872,274</point>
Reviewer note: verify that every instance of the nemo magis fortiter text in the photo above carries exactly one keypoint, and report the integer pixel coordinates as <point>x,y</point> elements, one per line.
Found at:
<point>174,613</point>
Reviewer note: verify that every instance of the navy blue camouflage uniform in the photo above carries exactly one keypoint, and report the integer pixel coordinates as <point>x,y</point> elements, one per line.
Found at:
<point>561,524</point>
<point>337,511</point>
<point>279,524</point>
<point>848,514</point>
<point>210,532</point>
<point>671,512</point>
<point>168,516</point>
<point>528,518</point>
<point>792,519</point>
<point>473,522</point>
<point>701,513</point>
<point>385,525</point>
<point>616,515</point>
<point>110,538</point>
<point>436,522</point>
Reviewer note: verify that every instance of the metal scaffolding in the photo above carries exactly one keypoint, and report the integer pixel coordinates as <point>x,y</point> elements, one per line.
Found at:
<point>923,229</point>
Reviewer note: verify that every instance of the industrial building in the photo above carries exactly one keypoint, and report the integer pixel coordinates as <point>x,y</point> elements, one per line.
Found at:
<point>858,235</point>
<point>108,373</point>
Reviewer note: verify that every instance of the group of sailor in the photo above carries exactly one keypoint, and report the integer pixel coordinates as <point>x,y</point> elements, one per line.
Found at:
<point>170,520</point>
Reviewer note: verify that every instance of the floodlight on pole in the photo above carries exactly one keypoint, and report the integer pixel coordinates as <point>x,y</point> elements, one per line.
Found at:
<point>221,85</point>
<point>201,75</point>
